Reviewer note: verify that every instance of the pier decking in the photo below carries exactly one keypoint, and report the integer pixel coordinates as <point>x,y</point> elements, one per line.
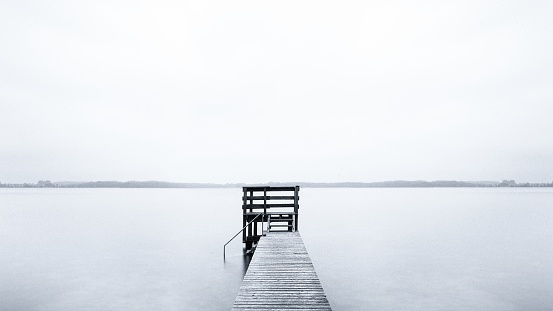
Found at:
<point>281,277</point>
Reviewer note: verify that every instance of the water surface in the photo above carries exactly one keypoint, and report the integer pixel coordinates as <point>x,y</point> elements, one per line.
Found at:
<point>374,249</point>
<point>433,249</point>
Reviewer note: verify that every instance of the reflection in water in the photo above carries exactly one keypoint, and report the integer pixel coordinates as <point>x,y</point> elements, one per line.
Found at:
<point>242,260</point>
<point>247,258</point>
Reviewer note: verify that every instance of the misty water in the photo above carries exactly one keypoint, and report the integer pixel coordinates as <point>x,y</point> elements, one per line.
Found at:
<point>373,249</point>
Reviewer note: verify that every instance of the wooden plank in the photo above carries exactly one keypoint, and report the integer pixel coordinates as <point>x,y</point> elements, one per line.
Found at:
<point>250,205</point>
<point>268,188</point>
<point>270,197</point>
<point>270,213</point>
<point>281,276</point>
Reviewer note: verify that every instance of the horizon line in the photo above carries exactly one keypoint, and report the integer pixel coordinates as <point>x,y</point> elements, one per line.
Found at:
<point>345,184</point>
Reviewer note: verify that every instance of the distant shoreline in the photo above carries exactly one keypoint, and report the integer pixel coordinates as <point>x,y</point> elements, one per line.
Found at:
<point>382,184</point>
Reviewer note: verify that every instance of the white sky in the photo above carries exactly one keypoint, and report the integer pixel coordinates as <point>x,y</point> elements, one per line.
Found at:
<point>257,91</point>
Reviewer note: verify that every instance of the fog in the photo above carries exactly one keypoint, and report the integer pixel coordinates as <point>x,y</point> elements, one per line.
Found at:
<point>250,91</point>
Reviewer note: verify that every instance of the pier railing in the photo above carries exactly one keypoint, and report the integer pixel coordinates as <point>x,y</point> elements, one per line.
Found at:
<point>280,211</point>
<point>225,246</point>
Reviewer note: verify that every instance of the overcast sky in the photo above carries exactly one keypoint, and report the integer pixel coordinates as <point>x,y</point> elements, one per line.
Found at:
<point>257,91</point>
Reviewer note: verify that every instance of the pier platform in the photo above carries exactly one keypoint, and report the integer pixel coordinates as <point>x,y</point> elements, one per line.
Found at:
<point>281,276</point>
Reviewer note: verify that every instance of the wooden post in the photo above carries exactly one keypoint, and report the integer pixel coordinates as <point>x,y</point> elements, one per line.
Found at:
<point>255,227</point>
<point>296,205</point>
<point>251,210</point>
<point>265,200</point>
<point>264,206</point>
<point>244,220</point>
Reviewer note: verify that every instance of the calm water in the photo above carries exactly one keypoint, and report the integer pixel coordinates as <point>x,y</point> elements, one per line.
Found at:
<point>374,249</point>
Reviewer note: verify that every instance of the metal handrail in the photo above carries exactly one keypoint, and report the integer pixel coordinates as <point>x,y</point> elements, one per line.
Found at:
<point>224,246</point>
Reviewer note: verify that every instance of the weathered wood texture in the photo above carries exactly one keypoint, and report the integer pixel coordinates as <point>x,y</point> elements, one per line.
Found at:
<point>281,277</point>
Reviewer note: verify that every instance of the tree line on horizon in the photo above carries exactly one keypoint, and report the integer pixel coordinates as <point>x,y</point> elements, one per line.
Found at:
<point>381,184</point>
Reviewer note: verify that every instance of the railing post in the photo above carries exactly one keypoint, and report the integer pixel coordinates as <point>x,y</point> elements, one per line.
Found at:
<point>265,200</point>
<point>244,217</point>
<point>251,211</point>
<point>296,205</point>
<point>255,228</point>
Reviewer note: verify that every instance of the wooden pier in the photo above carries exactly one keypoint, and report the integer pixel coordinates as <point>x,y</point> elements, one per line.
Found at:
<point>281,275</point>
